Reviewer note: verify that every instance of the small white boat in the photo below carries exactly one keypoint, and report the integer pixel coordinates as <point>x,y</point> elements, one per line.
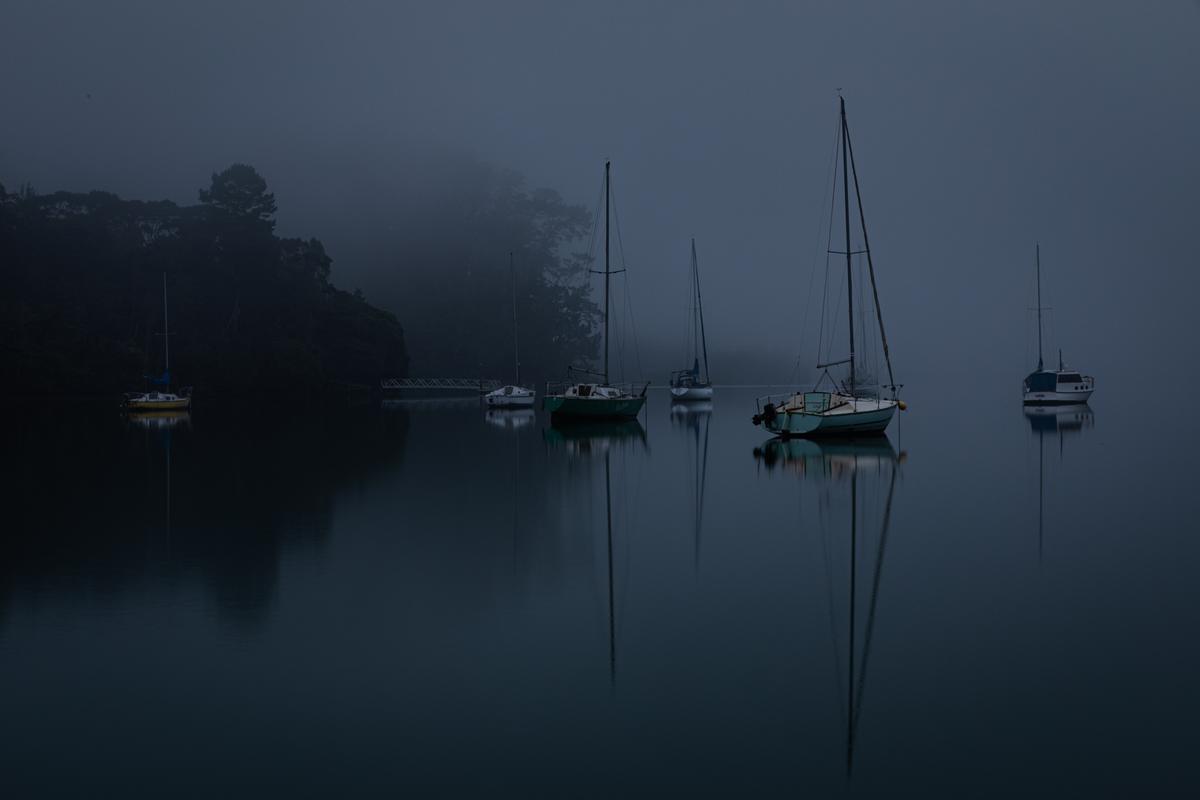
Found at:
<point>686,384</point>
<point>1061,386</point>
<point>510,397</point>
<point>146,402</point>
<point>683,392</point>
<point>514,395</point>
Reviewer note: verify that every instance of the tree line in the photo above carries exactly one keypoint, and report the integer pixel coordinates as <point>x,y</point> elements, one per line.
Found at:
<point>82,308</point>
<point>253,311</point>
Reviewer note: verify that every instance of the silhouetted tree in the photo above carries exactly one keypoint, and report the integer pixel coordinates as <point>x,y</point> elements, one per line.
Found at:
<point>241,192</point>
<point>83,296</point>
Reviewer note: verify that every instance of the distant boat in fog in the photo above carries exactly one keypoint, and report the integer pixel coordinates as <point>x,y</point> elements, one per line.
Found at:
<point>1046,387</point>
<point>686,384</point>
<point>164,399</point>
<point>574,401</point>
<point>848,408</point>
<point>514,395</point>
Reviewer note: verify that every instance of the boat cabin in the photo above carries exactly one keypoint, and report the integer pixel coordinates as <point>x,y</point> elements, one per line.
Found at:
<point>593,391</point>
<point>1047,381</point>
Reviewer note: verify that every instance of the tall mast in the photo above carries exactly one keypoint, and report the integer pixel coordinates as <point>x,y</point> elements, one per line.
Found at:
<point>512,271</point>
<point>695,309</point>
<point>166,330</point>
<point>607,205</point>
<point>849,266</point>
<point>700,310</point>
<point>1039,298</point>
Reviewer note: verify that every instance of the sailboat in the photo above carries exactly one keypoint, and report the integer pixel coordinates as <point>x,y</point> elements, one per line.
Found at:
<point>514,395</point>
<point>686,384</point>
<point>1047,387</point>
<point>850,408</point>
<point>164,400</point>
<point>571,401</point>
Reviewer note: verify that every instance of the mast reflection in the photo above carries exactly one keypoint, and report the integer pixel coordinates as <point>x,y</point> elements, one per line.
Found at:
<point>1061,420</point>
<point>585,439</point>
<point>830,465</point>
<point>695,417</point>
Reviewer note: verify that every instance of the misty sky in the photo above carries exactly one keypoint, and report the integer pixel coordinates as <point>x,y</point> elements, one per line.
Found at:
<point>979,128</point>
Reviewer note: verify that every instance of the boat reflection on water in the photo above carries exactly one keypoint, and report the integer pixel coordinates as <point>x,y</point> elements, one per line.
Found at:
<point>510,418</point>
<point>690,413</point>
<point>835,458</point>
<point>158,420</point>
<point>870,466</point>
<point>1061,419</point>
<point>587,438</point>
<point>695,416</point>
<point>1065,421</point>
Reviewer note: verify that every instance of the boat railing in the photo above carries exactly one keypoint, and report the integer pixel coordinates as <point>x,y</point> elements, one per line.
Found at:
<point>560,387</point>
<point>773,399</point>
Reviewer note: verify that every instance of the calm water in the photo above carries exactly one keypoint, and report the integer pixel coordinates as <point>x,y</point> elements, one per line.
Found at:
<point>423,599</point>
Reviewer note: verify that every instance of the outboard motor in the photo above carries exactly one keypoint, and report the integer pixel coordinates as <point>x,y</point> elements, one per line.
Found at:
<point>767,415</point>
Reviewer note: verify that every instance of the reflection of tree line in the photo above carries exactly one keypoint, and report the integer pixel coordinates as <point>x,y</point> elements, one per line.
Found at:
<point>102,504</point>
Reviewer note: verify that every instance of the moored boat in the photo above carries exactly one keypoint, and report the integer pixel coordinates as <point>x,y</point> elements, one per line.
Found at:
<point>602,400</point>
<point>1048,387</point>
<point>848,408</point>
<point>687,384</point>
<point>165,399</point>
<point>513,395</point>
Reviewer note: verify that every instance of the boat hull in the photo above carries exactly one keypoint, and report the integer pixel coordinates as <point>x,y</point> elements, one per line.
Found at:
<point>142,406</point>
<point>510,401</point>
<point>853,423</point>
<point>610,408</point>
<point>1059,398</point>
<point>684,393</point>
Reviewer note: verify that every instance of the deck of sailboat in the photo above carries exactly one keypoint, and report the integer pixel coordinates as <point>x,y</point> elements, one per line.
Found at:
<point>840,405</point>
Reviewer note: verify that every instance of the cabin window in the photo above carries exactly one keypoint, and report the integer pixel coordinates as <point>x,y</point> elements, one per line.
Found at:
<point>1040,382</point>
<point>1070,377</point>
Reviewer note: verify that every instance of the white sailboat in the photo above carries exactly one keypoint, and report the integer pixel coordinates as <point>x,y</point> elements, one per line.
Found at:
<point>513,395</point>
<point>687,384</point>
<point>850,408</point>
<point>1061,386</point>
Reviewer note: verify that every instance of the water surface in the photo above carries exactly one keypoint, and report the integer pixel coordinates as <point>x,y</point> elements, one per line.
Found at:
<point>427,599</point>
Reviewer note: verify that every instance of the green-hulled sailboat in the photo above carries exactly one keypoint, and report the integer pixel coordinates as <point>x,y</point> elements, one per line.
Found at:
<point>571,401</point>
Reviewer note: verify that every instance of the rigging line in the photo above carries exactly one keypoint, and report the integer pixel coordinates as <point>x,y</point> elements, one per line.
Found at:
<point>862,218</point>
<point>591,251</point>
<point>828,244</point>
<point>637,354</point>
<point>700,313</point>
<point>862,317</point>
<point>812,273</point>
